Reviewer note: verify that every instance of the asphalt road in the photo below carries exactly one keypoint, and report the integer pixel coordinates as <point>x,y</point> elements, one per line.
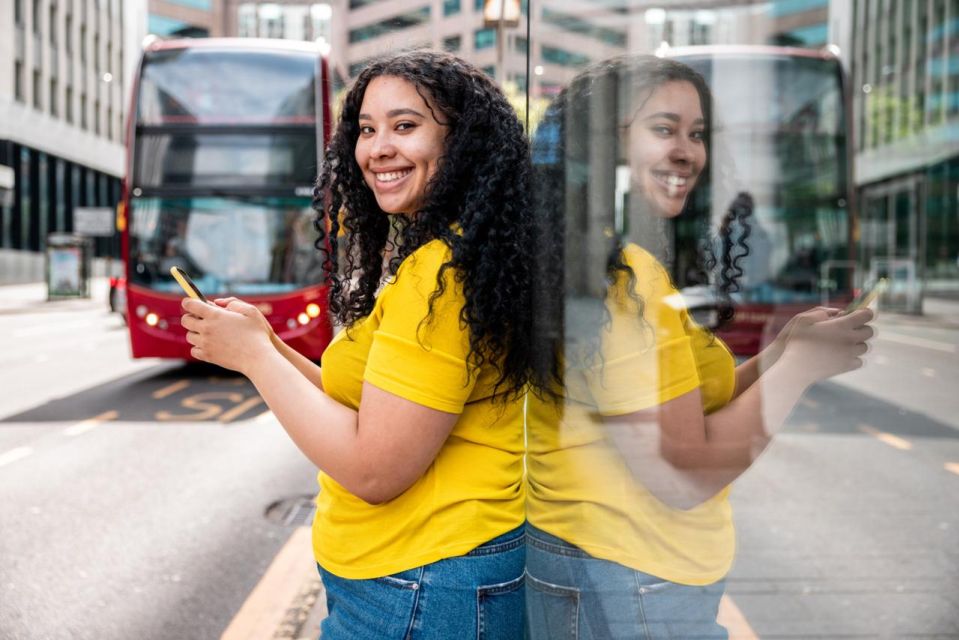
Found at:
<point>134,496</point>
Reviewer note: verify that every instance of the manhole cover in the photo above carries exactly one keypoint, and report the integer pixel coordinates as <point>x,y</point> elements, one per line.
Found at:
<point>294,511</point>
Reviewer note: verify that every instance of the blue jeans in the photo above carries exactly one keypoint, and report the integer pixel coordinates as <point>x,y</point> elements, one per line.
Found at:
<point>571,595</point>
<point>479,595</point>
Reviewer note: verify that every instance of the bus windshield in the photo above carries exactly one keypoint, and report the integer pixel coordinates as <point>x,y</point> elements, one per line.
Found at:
<point>779,134</point>
<point>228,245</point>
<point>222,86</point>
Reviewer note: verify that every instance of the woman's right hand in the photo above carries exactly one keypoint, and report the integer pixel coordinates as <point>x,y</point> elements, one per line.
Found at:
<point>249,310</point>
<point>821,344</point>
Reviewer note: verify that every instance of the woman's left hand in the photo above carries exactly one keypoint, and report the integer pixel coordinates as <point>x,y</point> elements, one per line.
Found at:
<point>776,348</point>
<point>232,337</point>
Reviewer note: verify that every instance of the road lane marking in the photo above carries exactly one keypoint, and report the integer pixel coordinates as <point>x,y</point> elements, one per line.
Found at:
<point>269,601</point>
<point>917,342</point>
<point>953,467</point>
<point>241,408</point>
<point>169,390</point>
<point>733,619</point>
<point>887,438</point>
<point>92,423</point>
<point>14,454</point>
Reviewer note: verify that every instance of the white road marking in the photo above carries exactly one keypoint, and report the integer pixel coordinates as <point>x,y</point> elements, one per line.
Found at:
<point>914,341</point>
<point>92,423</point>
<point>14,454</point>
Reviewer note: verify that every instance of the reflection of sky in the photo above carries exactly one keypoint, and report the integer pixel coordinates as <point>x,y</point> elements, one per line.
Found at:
<point>217,84</point>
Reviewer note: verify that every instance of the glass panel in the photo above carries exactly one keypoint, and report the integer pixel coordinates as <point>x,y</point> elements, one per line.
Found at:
<point>204,236</point>
<point>209,86</point>
<point>219,160</point>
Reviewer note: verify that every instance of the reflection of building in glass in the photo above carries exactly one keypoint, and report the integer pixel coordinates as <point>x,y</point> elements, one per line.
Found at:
<point>905,80</point>
<point>63,97</point>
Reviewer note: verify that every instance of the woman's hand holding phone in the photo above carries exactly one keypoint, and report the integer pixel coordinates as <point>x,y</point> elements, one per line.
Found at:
<point>233,336</point>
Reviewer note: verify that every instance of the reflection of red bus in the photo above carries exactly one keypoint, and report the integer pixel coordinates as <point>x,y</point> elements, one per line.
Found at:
<point>783,136</point>
<point>224,143</point>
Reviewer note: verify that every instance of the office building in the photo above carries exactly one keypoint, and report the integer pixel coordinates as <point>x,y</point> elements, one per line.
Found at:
<point>64,80</point>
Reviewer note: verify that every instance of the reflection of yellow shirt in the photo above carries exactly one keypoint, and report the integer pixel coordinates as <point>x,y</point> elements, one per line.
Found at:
<point>580,488</point>
<point>473,491</point>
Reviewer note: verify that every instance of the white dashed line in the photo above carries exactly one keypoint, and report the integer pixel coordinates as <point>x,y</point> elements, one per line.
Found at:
<point>14,454</point>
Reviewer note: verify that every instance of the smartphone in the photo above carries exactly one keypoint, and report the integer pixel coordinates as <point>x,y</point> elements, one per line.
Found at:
<point>184,281</point>
<point>868,296</point>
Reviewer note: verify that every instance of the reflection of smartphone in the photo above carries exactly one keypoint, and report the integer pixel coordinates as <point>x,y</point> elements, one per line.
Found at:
<point>184,281</point>
<point>868,296</point>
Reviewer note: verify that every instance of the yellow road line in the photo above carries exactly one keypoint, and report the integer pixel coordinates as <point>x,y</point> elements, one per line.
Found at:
<point>266,605</point>
<point>241,408</point>
<point>169,390</point>
<point>735,622</point>
<point>14,454</point>
<point>953,467</point>
<point>92,423</point>
<point>887,438</point>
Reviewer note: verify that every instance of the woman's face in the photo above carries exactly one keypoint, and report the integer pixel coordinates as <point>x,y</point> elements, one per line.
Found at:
<point>400,143</point>
<point>667,147</point>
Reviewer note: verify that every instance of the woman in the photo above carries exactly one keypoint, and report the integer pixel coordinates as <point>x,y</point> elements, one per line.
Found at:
<point>415,419</point>
<point>630,529</point>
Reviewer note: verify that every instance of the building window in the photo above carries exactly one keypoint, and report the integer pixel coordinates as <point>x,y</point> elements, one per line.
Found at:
<point>246,20</point>
<point>68,34</point>
<point>53,25</point>
<point>37,98</point>
<point>36,17</point>
<point>396,23</point>
<point>576,24</point>
<point>83,43</point>
<point>452,43</point>
<point>484,39</point>
<point>521,44</point>
<point>110,123</point>
<point>18,81</point>
<point>564,58</point>
<point>84,124</point>
<point>96,55</point>
<point>490,71</point>
<point>68,105</point>
<point>18,12</point>
<point>54,106</point>
<point>96,117</point>
<point>203,5</point>
<point>478,5</point>
<point>451,7</point>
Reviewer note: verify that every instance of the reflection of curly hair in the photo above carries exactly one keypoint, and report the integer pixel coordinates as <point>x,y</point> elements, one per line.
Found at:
<point>477,202</point>
<point>562,184</point>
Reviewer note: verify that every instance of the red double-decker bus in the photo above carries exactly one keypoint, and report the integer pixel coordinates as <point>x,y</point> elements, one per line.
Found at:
<point>784,137</point>
<point>224,142</point>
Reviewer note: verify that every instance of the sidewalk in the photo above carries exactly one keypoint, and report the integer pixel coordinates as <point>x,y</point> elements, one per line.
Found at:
<point>32,298</point>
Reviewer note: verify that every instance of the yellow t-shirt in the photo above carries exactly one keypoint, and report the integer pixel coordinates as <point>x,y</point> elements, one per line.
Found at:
<point>473,491</point>
<point>580,488</point>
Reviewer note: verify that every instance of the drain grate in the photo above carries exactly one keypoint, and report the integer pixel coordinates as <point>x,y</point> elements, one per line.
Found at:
<point>293,511</point>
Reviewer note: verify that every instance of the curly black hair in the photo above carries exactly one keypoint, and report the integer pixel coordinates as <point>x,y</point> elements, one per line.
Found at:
<point>477,203</point>
<point>566,181</point>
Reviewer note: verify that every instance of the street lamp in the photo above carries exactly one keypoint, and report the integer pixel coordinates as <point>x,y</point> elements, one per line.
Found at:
<point>501,14</point>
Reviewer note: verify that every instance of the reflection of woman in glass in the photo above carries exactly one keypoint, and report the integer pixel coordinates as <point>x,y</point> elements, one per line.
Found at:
<point>416,419</point>
<point>631,531</point>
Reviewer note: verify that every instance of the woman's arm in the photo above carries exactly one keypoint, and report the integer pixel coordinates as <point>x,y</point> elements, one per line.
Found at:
<point>376,453</point>
<point>684,457</point>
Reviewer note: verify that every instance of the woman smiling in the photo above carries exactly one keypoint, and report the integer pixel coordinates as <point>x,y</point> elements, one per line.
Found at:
<point>416,417</point>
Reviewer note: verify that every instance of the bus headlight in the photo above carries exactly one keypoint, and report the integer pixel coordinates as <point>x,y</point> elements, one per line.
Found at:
<point>313,310</point>
<point>303,318</point>
<point>152,319</point>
